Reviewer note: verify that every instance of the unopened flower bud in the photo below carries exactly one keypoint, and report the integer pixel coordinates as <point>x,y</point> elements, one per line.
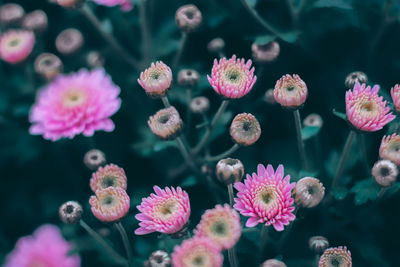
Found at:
<point>11,14</point>
<point>94,158</point>
<point>340,257</point>
<point>48,66</point>
<point>156,79</point>
<point>273,263</point>
<point>269,96</point>
<point>355,77</point>
<point>166,123</point>
<point>245,129</point>
<point>216,45</point>
<point>229,171</point>
<point>95,60</point>
<point>390,148</point>
<point>309,192</point>
<point>265,53</point>
<point>290,91</point>
<point>159,258</point>
<point>200,105</point>
<point>36,21</point>
<point>313,120</point>
<point>188,18</point>
<point>385,173</point>
<point>70,3</point>
<point>188,78</point>
<point>69,41</point>
<point>70,212</point>
<point>318,244</point>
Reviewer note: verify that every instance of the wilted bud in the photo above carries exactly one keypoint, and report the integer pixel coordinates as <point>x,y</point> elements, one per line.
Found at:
<point>229,171</point>
<point>385,173</point>
<point>318,244</point>
<point>70,3</point>
<point>166,123</point>
<point>95,60</point>
<point>216,45</point>
<point>159,258</point>
<point>313,120</point>
<point>48,66</point>
<point>245,129</point>
<point>188,18</point>
<point>11,14</point>
<point>269,96</point>
<point>265,53</point>
<point>309,192</point>
<point>94,158</point>
<point>355,77</point>
<point>70,212</point>
<point>188,78</point>
<point>36,21</point>
<point>69,41</point>
<point>200,105</point>
<point>273,263</point>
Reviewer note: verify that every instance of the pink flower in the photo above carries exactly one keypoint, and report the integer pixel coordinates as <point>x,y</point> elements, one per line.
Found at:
<point>395,92</point>
<point>156,80</point>
<point>77,103</point>
<point>290,91</point>
<point>16,45</point>
<point>221,225</point>
<point>390,148</point>
<point>197,251</point>
<point>110,204</point>
<point>46,247</point>
<point>266,198</point>
<point>366,110</point>
<point>167,211</point>
<point>109,175</point>
<point>232,78</point>
<point>126,5</point>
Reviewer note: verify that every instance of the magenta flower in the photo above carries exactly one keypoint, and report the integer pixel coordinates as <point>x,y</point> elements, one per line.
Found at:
<point>266,198</point>
<point>366,110</point>
<point>110,204</point>
<point>73,104</point>
<point>232,78</point>
<point>126,5</point>
<point>197,251</point>
<point>395,92</point>
<point>16,45</point>
<point>46,247</point>
<point>167,211</point>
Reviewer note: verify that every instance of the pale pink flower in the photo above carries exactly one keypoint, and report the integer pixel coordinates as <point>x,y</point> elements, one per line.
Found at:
<point>232,78</point>
<point>166,212</point>
<point>16,45</point>
<point>156,79</point>
<point>290,91</point>
<point>266,198</point>
<point>220,224</point>
<point>109,175</point>
<point>126,5</point>
<point>45,247</point>
<point>340,257</point>
<point>390,148</point>
<point>366,110</point>
<point>196,252</point>
<point>73,104</point>
<point>395,92</point>
<point>110,204</point>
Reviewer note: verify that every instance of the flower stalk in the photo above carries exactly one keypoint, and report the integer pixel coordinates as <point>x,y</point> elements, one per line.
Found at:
<point>300,142</point>
<point>127,244</point>
<point>231,195</point>
<point>225,154</point>
<point>179,53</point>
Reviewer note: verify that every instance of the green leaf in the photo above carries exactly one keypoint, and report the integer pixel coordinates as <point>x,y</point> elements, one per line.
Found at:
<point>309,131</point>
<point>252,3</point>
<point>189,181</point>
<point>342,4</point>
<point>340,193</point>
<point>150,144</point>
<point>365,190</point>
<point>264,39</point>
<point>340,115</point>
<point>290,37</point>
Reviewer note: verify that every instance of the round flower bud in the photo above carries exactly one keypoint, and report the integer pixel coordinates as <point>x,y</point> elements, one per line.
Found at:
<point>318,244</point>
<point>200,105</point>
<point>229,171</point>
<point>188,18</point>
<point>69,41</point>
<point>188,78</point>
<point>94,158</point>
<point>70,3</point>
<point>216,45</point>
<point>156,79</point>
<point>290,91</point>
<point>48,66</point>
<point>313,120</point>
<point>355,77</point>
<point>108,176</point>
<point>110,204</point>
<point>336,257</point>
<point>11,14</point>
<point>273,263</point>
<point>309,192</point>
<point>166,123</point>
<point>390,148</point>
<point>95,60</point>
<point>385,173</point>
<point>70,212</point>
<point>269,96</point>
<point>16,45</point>
<point>36,21</point>
<point>159,258</point>
<point>245,129</point>
<point>265,53</point>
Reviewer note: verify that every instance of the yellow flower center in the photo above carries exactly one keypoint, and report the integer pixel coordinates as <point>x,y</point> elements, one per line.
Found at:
<point>233,75</point>
<point>73,97</point>
<point>167,208</point>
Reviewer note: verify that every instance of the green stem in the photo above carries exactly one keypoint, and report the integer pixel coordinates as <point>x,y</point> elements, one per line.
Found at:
<point>186,154</point>
<point>188,111</point>
<point>398,128</point>
<point>232,257</point>
<point>165,101</point>
<point>343,158</point>
<point>145,31</point>
<point>263,241</point>
<point>107,248</point>
<point>300,142</point>
<point>209,130</point>
<point>127,244</point>
<point>179,53</point>
<point>224,154</point>
<point>231,195</point>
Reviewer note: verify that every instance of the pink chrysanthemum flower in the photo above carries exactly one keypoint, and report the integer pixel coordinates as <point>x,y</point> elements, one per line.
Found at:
<point>266,198</point>
<point>366,110</point>
<point>126,5</point>
<point>77,103</point>
<point>16,45</point>
<point>390,148</point>
<point>197,252</point>
<point>395,92</point>
<point>156,80</point>
<point>109,175</point>
<point>336,257</point>
<point>232,78</point>
<point>221,225</point>
<point>46,247</point>
<point>166,212</point>
<point>290,91</point>
<point>110,204</point>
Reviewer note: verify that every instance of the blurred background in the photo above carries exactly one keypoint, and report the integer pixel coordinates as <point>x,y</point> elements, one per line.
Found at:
<point>330,39</point>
